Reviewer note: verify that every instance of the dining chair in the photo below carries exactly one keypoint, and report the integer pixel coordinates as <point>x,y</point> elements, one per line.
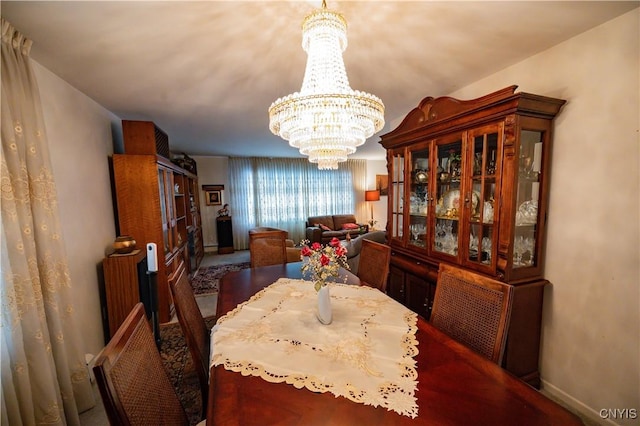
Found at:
<point>193,327</point>
<point>267,247</point>
<point>473,309</point>
<point>132,379</point>
<point>374,263</point>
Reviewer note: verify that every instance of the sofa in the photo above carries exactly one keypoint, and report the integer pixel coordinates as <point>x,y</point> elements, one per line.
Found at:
<point>354,246</point>
<point>321,229</point>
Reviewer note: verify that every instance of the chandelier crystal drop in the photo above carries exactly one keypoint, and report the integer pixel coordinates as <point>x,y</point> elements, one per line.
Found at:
<point>326,120</point>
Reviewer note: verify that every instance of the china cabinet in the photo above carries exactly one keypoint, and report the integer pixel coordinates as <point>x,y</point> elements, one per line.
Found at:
<point>468,185</point>
<point>157,201</point>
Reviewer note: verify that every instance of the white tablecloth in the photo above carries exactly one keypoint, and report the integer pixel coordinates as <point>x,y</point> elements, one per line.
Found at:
<point>365,354</point>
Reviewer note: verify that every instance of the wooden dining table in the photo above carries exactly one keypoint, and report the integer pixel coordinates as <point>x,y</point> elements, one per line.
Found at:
<point>456,386</point>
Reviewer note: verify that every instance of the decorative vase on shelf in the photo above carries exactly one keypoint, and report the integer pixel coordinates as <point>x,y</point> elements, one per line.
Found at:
<point>124,244</point>
<point>324,313</point>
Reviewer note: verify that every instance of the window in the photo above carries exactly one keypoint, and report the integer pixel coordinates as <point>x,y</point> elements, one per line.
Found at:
<point>284,192</point>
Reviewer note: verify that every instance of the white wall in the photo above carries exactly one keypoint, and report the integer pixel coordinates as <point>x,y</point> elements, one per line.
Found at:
<point>377,167</point>
<point>591,336</point>
<point>80,140</point>
<point>211,171</point>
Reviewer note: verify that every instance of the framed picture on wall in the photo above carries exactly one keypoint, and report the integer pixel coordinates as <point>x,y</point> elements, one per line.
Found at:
<point>382,184</point>
<point>213,198</point>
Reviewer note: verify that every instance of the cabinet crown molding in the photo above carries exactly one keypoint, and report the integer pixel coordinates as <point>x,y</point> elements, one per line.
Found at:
<point>447,111</point>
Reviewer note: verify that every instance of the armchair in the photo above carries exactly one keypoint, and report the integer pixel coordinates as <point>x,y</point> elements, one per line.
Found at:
<point>271,246</point>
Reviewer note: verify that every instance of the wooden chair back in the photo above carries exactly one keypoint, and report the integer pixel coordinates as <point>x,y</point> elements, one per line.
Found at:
<point>374,263</point>
<point>267,247</point>
<point>132,379</point>
<point>473,309</point>
<point>193,327</point>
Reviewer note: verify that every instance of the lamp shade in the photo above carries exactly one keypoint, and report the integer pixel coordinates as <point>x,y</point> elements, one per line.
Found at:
<point>373,195</point>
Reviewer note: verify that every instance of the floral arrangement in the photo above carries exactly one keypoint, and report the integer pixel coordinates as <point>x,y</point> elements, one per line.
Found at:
<point>323,262</point>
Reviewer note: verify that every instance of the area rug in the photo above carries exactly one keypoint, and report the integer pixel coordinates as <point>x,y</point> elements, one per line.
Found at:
<point>179,365</point>
<point>207,279</point>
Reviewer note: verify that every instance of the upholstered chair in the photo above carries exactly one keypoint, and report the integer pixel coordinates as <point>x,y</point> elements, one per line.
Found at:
<point>271,246</point>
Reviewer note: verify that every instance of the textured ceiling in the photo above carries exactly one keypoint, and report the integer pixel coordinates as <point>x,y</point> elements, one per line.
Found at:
<point>206,71</point>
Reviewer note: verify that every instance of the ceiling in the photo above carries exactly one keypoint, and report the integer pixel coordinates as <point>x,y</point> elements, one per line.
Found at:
<point>207,71</point>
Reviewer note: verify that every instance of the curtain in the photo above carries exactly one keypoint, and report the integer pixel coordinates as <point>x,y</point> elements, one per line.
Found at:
<point>284,192</point>
<point>44,376</point>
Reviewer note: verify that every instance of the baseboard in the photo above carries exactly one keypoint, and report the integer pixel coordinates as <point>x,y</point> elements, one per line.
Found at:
<point>572,404</point>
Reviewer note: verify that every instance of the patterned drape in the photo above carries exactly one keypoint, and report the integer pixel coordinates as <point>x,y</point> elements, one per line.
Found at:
<point>44,376</point>
<point>284,192</point>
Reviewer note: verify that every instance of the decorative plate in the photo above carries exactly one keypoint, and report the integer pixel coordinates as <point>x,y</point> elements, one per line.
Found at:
<point>451,200</point>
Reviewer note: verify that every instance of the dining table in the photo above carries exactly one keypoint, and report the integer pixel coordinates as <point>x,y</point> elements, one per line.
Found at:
<point>454,385</point>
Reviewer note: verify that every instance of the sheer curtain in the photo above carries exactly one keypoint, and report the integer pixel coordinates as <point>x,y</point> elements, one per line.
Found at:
<point>44,376</point>
<point>283,192</point>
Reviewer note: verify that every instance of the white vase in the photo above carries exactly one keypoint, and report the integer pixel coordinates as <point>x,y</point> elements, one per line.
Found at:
<point>324,306</point>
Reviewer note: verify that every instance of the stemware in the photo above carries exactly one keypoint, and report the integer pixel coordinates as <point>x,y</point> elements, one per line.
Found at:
<point>486,247</point>
<point>415,231</point>
<point>519,248</point>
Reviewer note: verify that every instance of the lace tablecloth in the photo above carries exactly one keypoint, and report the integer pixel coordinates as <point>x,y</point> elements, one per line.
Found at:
<point>365,354</point>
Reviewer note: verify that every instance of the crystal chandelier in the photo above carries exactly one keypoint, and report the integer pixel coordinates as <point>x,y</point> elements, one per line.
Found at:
<point>326,120</point>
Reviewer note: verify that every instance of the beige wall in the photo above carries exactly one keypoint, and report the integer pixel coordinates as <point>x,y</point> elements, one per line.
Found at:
<point>80,139</point>
<point>212,171</point>
<point>590,350</point>
<point>376,167</point>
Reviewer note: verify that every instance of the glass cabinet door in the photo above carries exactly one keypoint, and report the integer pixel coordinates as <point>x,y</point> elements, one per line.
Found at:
<point>418,196</point>
<point>164,214</point>
<point>447,191</point>
<point>167,209</point>
<point>528,192</point>
<point>397,194</point>
<point>480,198</point>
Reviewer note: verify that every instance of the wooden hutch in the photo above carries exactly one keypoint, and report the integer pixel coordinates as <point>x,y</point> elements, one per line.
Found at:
<point>468,185</point>
<point>157,201</point>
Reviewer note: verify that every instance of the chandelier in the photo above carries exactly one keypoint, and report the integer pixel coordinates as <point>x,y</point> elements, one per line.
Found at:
<point>326,120</point>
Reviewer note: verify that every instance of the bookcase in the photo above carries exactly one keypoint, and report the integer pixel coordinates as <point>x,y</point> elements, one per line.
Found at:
<point>157,201</point>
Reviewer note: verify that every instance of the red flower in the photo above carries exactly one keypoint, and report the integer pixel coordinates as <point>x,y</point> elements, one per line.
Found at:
<point>334,242</point>
<point>306,251</point>
<point>324,260</point>
<point>316,246</point>
<point>341,251</point>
